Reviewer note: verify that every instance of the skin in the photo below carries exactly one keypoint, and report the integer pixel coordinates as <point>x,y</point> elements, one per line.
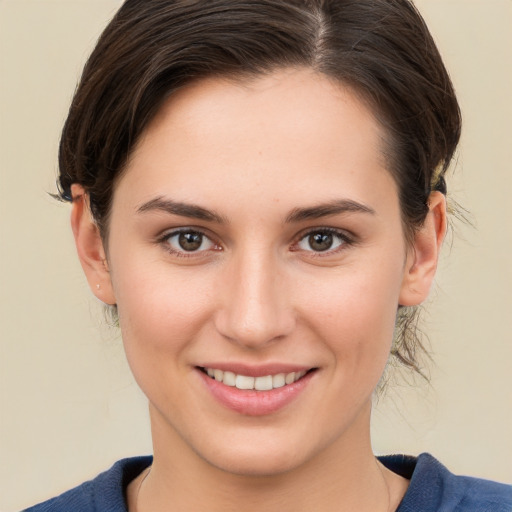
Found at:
<point>256,292</point>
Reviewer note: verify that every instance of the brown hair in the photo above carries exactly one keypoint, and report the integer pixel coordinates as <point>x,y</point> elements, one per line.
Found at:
<point>380,48</point>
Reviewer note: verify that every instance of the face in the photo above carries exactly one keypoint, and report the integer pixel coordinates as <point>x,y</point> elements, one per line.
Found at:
<point>256,242</point>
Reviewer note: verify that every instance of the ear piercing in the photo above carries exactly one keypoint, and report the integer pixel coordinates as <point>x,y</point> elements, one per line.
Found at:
<point>98,287</point>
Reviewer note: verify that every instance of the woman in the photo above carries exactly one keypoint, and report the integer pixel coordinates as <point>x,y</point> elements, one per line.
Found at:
<point>258,191</point>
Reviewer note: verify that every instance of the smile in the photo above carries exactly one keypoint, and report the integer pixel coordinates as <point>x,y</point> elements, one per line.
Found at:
<point>267,391</point>
<point>245,382</point>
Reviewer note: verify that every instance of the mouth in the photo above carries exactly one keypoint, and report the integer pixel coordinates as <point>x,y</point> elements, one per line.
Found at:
<point>260,383</point>
<point>266,390</point>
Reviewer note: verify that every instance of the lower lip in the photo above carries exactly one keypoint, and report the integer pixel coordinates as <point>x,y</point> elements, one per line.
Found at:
<point>255,403</point>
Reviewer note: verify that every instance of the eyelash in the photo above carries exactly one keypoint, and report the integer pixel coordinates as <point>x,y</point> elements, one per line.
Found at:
<point>343,238</point>
<point>165,241</point>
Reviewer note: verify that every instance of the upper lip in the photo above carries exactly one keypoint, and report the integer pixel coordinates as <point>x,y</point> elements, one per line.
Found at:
<point>256,370</point>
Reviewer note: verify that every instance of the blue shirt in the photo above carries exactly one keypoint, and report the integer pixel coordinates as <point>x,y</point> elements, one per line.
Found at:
<point>432,488</point>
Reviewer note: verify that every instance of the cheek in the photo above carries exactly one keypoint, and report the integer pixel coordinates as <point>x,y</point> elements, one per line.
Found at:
<point>161,310</point>
<point>354,313</point>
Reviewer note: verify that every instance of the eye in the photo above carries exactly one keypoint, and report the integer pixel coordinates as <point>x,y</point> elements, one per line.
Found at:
<point>322,240</point>
<point>188,241</point>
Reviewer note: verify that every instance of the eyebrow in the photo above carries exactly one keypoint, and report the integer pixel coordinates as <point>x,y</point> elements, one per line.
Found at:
<point>182,209</point>
<point>335,207</point>
<point>193,211</point>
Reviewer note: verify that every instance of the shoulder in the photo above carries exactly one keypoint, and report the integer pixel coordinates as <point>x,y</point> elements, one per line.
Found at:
<point>433,488</point>
<point>105,492</point>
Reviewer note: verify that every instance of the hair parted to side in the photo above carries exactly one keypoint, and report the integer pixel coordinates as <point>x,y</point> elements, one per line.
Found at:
<point>382,49</point>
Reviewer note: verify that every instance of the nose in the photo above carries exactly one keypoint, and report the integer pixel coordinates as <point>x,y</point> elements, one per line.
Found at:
<point>256,309</point>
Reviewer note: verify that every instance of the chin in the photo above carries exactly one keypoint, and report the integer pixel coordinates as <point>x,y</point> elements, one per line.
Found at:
<point>263,452</point>
<point>255,463</point>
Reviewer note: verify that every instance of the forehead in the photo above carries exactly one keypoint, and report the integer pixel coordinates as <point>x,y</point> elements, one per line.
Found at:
<point>299,98</point>
<point>294,126</point>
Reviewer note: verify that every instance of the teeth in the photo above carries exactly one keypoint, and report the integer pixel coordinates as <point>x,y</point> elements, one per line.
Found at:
<point>243,382</point>
<point>265,383</point>
<point>290,377</point>
<point>229,379</point>
<point>279,380</point>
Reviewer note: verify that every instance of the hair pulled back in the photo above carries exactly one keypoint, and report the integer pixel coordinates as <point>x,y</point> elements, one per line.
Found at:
<point>382,49</point>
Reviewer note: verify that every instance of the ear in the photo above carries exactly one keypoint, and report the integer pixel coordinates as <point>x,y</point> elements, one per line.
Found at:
<point>89,246</point>
<point>423,255</point>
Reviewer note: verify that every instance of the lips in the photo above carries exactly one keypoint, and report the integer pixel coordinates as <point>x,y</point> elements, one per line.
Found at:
<point>266,391</point>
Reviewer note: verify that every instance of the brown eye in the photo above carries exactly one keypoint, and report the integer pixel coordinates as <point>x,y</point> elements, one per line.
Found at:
<point>322,241</point>
<point>188,242</point>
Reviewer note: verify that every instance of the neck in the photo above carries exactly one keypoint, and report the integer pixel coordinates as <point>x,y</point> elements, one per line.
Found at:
<point>344,477</point>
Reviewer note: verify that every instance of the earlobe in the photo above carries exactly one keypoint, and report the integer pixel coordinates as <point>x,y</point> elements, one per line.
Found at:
<point>423,255</point>
<point>90,248</point>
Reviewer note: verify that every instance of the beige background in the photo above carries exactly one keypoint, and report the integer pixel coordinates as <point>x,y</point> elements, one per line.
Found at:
<point>69,407</point>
